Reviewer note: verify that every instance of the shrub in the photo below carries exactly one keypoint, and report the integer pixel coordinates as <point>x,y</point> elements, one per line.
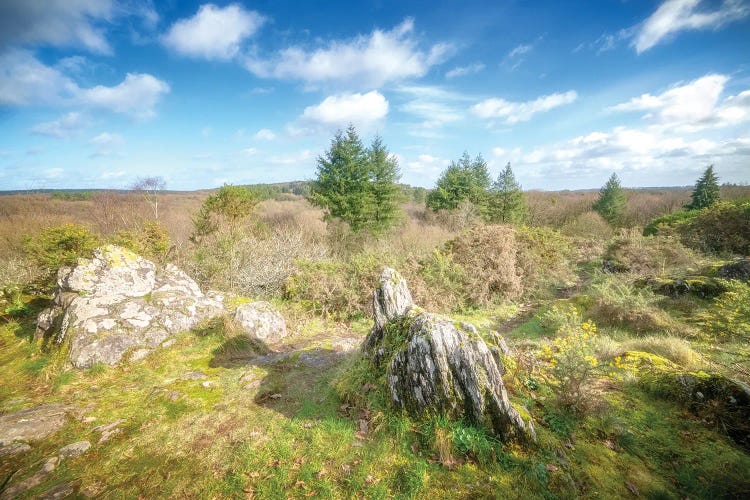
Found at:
<point>630,251</point>
<point>674,349</point>
<point>562,316</point>
<point>730,315</point>
<point>442,278</point>
<point>59,246</point>
<point>545,259</point>
<point>573,365</point>
<point>151,240</point>
<point>487,255</point>
<point>588,225</point>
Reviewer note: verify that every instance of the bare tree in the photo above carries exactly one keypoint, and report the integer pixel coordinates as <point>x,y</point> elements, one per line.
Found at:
<point>149,188</point>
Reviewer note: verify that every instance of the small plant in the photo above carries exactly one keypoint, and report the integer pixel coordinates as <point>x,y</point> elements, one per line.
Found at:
<point>573,365</point>
<point>559,317</point>
<point>59,246</point>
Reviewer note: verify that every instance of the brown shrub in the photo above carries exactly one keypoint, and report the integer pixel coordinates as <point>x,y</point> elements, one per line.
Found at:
<point>630,251</point>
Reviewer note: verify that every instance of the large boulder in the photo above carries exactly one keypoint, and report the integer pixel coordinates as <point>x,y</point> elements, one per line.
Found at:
<point>117,302</point>
<point>435,366</point>
<point>260,321</point>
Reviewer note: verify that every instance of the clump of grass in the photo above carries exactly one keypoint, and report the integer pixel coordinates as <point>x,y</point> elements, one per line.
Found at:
<point>674,349</point>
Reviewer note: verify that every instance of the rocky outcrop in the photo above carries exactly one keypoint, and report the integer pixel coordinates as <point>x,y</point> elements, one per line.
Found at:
<point>435,366</point>
<point>260,321</point>
<point>737,270</point>
<point>118,302</point>
<point>34,423</point>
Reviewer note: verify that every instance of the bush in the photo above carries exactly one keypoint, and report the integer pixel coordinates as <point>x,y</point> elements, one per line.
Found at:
<point>487,254</point>
<point>545,258</point>
<point>151,240</point>
<point>573,365</point>
<point>630,251</point>
<point>59,246</point>
<point>729,318</point>
<point>674,349</point>
<point>588,225</point>
<point>561,317</point>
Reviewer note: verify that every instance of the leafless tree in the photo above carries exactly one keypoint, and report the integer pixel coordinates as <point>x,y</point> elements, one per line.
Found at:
<point>149,188</point>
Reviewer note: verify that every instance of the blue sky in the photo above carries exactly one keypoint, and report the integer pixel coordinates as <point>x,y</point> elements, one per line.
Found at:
<point>96,93</point>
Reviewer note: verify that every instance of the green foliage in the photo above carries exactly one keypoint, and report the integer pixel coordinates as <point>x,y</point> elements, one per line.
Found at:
<point>59,246</point>
<point>561,317</point>
<point>722,228</point>
<point>506,202</point>
<point>706,192</point>
<point>358,185</point>
<point>611,202</point>
<point>546,259</point>
<point>151,240</point>
<point>630,251</point>
<point>225,208</point>
<point>729,318</point>
<point>72,195</point>
<point>463,180</point>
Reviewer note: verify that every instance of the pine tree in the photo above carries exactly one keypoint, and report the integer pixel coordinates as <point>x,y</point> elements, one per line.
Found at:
<point>462,180</point>
<point>507,202</point>
<point>612,200</point>
<point>384,190</point>
<point>706,191</point>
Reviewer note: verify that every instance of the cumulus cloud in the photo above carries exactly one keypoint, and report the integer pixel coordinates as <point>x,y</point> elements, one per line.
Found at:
<point>63,128</point>
<point>339,110</point>
<point>137,95</point>
<point>692,106</point>
<point>27,81</point>
<point>213,32</point>
<point>471,69</point>
<point>514,112</point>
<point>674,16</point>
<point>372,60</point>
<point>264,134</point>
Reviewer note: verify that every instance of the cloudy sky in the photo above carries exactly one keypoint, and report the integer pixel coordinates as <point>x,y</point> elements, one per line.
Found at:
<point>95,93</point>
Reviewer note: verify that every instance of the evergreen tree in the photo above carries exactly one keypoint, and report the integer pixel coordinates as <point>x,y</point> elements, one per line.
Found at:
<point>462,180</point>
<point>706,191</point>
<point>385,193</point>
<point>507,201</point>
<point>342,184</point>
<point>612,200</point>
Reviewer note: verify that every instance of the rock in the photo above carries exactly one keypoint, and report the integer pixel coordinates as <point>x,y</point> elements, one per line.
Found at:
<point>737,270</point>
<point>139,354</point>
<point>108,430</point>
<point>118,301</point>
<point>64,490</point>
<point>14,449</point>
<point>33,424</point>
<point>14,490</point>
<point>260,321</point>
<point>391,300</point>
<point>194,376</point>
<point>74,449</point>
<point>435,366</point>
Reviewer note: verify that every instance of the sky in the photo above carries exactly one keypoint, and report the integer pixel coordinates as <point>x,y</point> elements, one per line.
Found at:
<point>99,93</point>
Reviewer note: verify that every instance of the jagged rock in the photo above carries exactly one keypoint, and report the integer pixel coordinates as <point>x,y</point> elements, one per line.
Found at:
<point>14,449</point>
<point>117,302</point>
<point>74,449</point>
<point>390,301</point>
<point>33,423</point>
<point>260,321</point>
<point>14,490</point>
<point>434,365</point>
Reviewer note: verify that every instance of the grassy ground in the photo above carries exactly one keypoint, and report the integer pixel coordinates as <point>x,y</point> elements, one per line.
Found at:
<point>275,426</point>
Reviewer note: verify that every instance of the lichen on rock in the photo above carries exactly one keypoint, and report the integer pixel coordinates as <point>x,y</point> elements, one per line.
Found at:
<point>434,365</point>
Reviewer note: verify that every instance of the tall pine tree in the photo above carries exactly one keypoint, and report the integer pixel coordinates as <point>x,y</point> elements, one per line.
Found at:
<point>706,191</point>
<point>385,193</point>
<point>612,200</point>
<point>462,180</point>
<point>507,202</point>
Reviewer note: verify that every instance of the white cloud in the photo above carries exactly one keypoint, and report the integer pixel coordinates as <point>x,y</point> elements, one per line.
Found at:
<point>26,81</point>
<point>106,144</point>
<point>137,95</point>
<point>372,60</point>
<point>213,32</point>
<point>514,112</point>
<point>434,114</point>
<point>63,128</point>
<point>520,50</point>
<point>339,110</point>
<point>471,69</point>
<point>674,16</point>
<point>264,134</point>
<point>517,55</point>
<point>692,106</point>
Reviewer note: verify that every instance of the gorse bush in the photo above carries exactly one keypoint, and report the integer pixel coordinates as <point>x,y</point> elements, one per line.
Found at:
<point>58,246</point>
<point>561,317</point>
<point>545,257</point>
<point>630,251</point>
<point>150,240</point>
<point>573,365</point>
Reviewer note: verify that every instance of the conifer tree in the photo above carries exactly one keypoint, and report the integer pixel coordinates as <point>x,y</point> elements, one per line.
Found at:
<point>507,202</point>
<point>612,200</point>
<point>706,191</point>
<point>385,193</point>
<point>462,180</point>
